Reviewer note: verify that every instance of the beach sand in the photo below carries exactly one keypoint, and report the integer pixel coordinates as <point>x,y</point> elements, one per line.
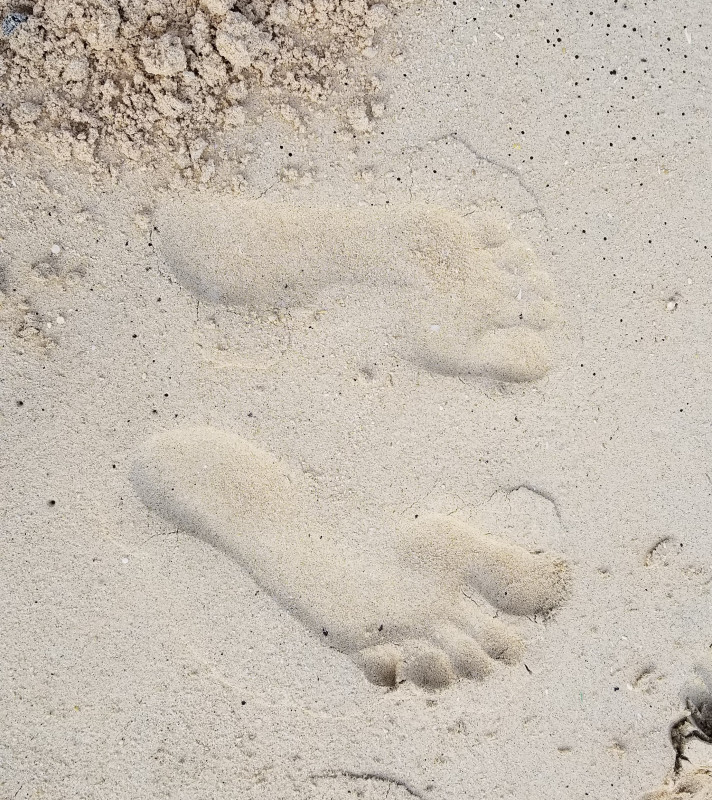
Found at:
<point>355,371</point>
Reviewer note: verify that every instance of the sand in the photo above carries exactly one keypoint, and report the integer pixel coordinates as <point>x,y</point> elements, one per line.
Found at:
<point>355,379</point>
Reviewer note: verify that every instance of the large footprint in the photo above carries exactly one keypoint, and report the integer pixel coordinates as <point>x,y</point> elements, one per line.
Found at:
<point>466,298</point>
<point>399,617</point>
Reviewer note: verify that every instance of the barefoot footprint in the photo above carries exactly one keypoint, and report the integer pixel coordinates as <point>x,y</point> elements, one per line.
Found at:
<point>464,297</point>
<point>397,610</point>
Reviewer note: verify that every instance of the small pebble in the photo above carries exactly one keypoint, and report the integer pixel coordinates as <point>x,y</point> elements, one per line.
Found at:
<point>56,249</point>
<point>12,21</point>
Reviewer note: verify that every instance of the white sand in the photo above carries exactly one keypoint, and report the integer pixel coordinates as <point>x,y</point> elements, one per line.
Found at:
<point>522,502</point>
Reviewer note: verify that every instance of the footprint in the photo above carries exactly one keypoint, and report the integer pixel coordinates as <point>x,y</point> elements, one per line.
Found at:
<point>399,617</point>
<point>21,328</point>
<point>466,298</point>
<point>32,303</point>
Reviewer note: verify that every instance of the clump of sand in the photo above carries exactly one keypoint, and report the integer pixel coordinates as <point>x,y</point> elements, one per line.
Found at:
<point>695,785</point>
<point>111,80</point>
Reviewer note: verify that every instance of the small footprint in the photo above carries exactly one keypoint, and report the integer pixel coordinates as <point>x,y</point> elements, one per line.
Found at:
<point>21,328</point>
<point>400,610</point>
<point>466,297</point>
<point>31,303</point>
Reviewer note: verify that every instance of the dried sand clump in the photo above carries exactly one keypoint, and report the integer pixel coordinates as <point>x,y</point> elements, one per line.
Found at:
<point>124,79</point>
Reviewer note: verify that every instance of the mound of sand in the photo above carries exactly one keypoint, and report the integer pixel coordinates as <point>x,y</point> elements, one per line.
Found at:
<point>111,80</point>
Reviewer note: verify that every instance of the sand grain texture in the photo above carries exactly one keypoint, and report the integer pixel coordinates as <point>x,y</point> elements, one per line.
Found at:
<point>354,400</point>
